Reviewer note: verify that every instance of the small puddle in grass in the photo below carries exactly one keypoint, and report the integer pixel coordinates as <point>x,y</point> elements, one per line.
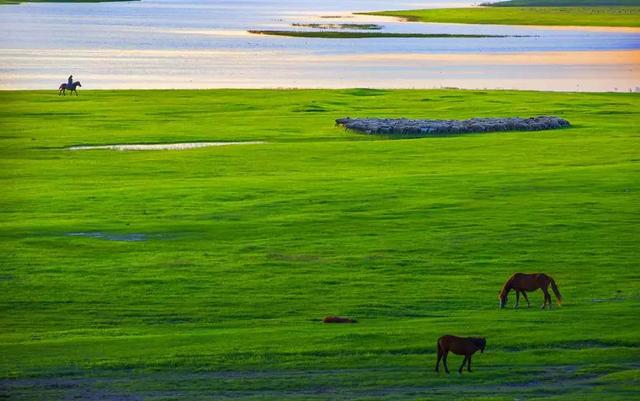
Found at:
<point>161,146</point>
<point>111,237</point>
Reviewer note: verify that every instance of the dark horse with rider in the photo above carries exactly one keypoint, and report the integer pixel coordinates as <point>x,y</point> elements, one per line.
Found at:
<point>70,85</point>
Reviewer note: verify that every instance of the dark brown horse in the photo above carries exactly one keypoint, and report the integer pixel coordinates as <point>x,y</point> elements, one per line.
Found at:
<point>63,88</point>
<point>466,346</point>
<point>522,282</point>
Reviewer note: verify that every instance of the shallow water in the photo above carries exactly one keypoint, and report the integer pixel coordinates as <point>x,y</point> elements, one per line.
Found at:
<point>161,146</point>
<point>204,44</point>
<point>110,237</point>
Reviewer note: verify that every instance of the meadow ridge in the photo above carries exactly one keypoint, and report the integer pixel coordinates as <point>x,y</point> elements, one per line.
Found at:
<point>205,273</point>
<point>562,3</point>
<point>612,16</point>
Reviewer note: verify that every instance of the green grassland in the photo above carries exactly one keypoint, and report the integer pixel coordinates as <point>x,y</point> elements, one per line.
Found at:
<point>563,3</point>
<point>569,16</point>
<point>364,35</point>
<point>248,247</point>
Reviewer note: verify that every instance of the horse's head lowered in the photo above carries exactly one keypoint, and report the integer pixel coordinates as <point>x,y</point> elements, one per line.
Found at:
<point>502,295</point>
<point>480,343</point>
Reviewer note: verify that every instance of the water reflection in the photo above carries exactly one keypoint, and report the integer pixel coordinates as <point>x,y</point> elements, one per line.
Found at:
<point>204,44</point>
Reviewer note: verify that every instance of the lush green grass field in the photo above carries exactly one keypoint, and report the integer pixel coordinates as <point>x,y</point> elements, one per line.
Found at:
<point>364,35</point>
<point>562,3</point>
<point>569,16</point>
<point>248,247</point>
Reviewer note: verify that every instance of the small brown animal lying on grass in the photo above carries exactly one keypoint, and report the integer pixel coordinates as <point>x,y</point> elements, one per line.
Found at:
<point>466,346</point>
<point>338,319</point>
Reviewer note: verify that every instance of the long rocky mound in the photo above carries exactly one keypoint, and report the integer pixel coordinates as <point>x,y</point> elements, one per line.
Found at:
<point>403,126</point>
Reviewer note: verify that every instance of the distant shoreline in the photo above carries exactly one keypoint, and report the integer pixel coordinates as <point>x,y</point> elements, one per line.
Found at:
<point>14,2</point>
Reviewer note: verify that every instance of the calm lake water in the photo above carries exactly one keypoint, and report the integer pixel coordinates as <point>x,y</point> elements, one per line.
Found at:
<point>205,44</point>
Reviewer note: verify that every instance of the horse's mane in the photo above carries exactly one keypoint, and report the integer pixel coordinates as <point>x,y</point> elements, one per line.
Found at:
<point>506,287</point>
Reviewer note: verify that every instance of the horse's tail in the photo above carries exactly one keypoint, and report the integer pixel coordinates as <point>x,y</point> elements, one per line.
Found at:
<point>554,287</point>
<point>439,347</point>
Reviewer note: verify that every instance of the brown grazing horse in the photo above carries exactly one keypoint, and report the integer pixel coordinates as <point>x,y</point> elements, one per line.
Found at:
<point>466,346</point>
<point>522,282</point>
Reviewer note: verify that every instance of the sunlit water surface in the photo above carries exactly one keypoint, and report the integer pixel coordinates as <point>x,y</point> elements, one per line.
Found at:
<point>205,44</point>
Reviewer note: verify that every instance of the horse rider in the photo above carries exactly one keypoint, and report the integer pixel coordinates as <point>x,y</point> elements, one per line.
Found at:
<point>70,82</point>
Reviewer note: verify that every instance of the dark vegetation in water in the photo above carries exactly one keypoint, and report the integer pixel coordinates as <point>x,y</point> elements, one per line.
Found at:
<point>364,27</point>
<point>362,35</point>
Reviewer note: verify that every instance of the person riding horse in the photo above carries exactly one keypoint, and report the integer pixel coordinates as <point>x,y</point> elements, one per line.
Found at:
<point>69,86</point>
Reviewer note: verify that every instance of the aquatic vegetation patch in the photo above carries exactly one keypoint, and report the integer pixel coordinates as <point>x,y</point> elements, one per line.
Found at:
<point>364,27</point>
<point>364,35</point>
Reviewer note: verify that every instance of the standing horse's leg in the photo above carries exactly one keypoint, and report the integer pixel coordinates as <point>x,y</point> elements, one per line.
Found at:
<point>439,358</point>
<point>469,363</point>
<point>547,298</point>
<point>524,294</point>
<point>517,300</point>
<point>464,362</point>
<point>444,361</point>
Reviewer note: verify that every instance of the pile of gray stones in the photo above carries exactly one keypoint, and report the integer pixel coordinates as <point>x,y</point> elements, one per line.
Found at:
<point>403,126</point>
